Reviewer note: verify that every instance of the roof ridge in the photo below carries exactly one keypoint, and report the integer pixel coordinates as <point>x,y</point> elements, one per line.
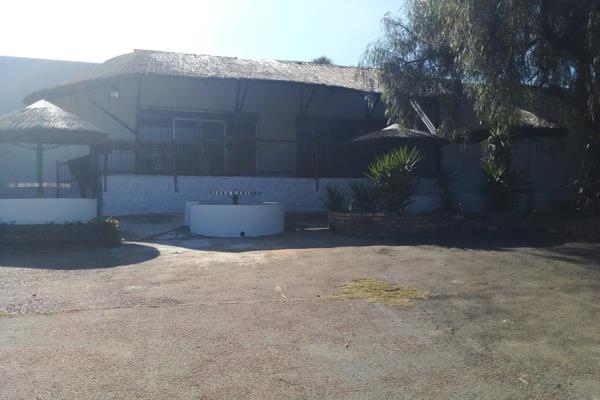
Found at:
<point>149,51</point>
<point>205,66</point>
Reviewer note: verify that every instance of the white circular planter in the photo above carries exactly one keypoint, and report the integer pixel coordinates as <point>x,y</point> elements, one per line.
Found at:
<point>188,212</point>
<point>46,211</point>
<point>241,220</point>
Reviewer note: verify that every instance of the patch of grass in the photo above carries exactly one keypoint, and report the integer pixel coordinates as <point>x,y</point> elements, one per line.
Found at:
<point>379,291</point>
<point>4,314</point>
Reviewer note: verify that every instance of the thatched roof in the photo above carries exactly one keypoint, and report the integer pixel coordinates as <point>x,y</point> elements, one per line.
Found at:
<point>528,125</point>
<point>159,63</point>
<point>399,133</point>
<point>46,123</point>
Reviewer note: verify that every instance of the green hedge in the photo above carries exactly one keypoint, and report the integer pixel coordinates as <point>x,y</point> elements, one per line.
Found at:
<point>47,236</point>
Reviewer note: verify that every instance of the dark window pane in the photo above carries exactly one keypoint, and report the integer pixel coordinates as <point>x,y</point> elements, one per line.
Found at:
<point>186,131</point>
<point>213,149</point>
<point>153,155</point>
<point>241,148</point>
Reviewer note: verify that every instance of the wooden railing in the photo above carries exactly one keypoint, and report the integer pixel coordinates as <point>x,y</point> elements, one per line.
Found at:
<point>205,158</point>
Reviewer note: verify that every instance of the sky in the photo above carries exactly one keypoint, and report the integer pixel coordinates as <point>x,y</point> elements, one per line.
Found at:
<point>86,30</point>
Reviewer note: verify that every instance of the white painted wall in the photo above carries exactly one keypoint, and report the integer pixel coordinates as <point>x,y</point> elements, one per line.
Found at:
<point>249,220</point>
<point>46,211</point>
<point>155,194</point>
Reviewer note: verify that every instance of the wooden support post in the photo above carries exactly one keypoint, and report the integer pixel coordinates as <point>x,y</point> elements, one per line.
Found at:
<point>39,150</point>
<point>174,158</point>
<point>95,181</point>
<point>57,179</point>
<point>105,169</point>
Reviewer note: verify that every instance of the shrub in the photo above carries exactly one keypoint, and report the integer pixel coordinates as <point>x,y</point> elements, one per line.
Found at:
<point>393,176</point>
<point>364,197</point>
<point>587,184</point>
<point>335,199</point>
<point>94,233</point>
<point>501,187</point>
<point>446,191</point>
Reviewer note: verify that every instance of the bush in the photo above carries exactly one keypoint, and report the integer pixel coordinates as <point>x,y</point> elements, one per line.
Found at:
<point>364,197</point>
<point>393,176</point>
<point>94,233</point>
<point>335,199</point>
<point>587,184</point>
<point>446,191</point>
<point>501,187</point>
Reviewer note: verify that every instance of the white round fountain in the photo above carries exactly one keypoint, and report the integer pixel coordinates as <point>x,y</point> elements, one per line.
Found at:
<point>236,220</point>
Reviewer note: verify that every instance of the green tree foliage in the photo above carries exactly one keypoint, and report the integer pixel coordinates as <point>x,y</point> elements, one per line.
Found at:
<point>501,54</point>
<point>322,60</point>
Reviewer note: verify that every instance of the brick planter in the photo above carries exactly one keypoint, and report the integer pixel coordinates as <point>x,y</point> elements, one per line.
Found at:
<point>447,225</point>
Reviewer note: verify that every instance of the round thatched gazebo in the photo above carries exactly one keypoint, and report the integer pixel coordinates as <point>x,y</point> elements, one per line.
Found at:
<point>374,144</point>
<point>528,125</point>
<point>42,126</point>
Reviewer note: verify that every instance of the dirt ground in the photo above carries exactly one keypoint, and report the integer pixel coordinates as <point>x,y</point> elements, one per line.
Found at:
<point>253,319</point>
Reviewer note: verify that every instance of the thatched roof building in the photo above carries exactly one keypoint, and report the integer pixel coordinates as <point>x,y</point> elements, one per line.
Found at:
<point>168,64</point>
<point>43,122</point>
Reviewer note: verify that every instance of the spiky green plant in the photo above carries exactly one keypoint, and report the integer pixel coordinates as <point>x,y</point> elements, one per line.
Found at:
<point>394,178</point>
<point>364,198</point>
<point>501,186</point>
<point>335,199</point>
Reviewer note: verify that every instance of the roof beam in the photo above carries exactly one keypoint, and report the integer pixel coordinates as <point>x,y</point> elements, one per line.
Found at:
<point>240,96</point>
<point>113,117</point>
<point>305,106</point>
<point>428,124</point>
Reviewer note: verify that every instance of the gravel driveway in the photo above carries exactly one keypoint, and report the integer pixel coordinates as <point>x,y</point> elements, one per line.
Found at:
<point>253,319</point>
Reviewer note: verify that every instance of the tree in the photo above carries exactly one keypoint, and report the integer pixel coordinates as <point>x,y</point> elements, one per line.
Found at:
<point>501,55</point>
<point>322,60</point>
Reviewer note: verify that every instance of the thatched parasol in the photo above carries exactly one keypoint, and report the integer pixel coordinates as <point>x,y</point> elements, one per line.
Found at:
<point>397,133</point>
<point>43,124</point>
<point>528,125</point>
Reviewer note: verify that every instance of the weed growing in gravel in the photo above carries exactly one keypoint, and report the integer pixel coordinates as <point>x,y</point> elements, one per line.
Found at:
<point>379,291</point>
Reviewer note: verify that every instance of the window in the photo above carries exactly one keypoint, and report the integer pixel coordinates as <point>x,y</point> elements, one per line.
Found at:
<point>152,155</point>
<point>197,145</point>
<point>327,151</point>
<point>241,147</point>
<point>187,146</point>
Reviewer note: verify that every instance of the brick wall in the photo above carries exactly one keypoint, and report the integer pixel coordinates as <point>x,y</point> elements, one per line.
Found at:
<point>439,224</point>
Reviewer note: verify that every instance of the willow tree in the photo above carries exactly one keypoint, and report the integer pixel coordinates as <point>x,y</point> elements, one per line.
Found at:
<point>501,55</point>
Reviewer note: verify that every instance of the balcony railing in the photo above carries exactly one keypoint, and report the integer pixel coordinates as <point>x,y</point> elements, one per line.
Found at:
<point>203,158</point>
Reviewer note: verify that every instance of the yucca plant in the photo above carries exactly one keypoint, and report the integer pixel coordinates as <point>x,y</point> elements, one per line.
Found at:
<point>501,186</point>
<point>335,199</point>
<point>393,176</point>
<point>364,197</point>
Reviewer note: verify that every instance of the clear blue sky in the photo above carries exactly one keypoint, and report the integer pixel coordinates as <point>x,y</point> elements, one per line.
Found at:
<point>87,30</point>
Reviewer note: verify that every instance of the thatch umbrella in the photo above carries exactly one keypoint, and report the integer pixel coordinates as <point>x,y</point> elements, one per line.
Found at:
<point>43,125</point>
<point>397,133</point>
<point>528,125</point>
